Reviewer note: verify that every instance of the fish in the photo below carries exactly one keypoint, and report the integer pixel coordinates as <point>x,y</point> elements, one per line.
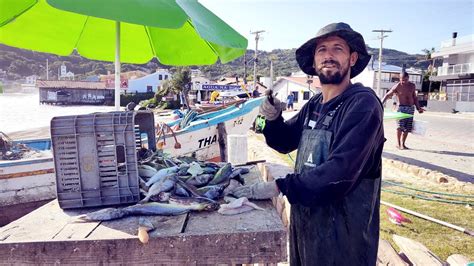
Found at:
<point>195,169</point>
<point>101,215</point>
<point>165,184</point>
<point>167,209</point>
<point>235,173</point>
<point>183,169</point>
<point>209,170</point>
<point>161,174</point>
<point>233,184</point>
<point>181,191</point>
<point>237,206</point>
<point>189,188</point>
<point>211,205</point>
<point>222,175</point>
<point>146,171</point>
<point>244,170</point>
<point>169,163</point>
<point>211,192</point>
<point>200,180</point>
<point>395,217</point>
<point>142,184</point>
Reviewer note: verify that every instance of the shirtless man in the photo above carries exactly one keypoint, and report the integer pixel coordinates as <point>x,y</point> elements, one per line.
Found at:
<point>407,101</point>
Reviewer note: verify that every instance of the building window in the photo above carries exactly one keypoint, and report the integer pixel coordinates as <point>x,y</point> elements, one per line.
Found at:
<point>166,76</point>
<point>306,95</point>
<point>149,88</point>
<point>160,77</point>
<point>394,77</point>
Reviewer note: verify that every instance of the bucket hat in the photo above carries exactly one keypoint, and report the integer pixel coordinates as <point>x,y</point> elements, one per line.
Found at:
<point>305,54</point>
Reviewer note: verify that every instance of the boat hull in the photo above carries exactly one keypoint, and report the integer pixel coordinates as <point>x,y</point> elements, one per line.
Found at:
<point>201,139</point>
<point>28,180</point>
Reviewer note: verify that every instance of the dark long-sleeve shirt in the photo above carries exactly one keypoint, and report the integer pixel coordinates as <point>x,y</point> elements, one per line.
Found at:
<point>355,150</point>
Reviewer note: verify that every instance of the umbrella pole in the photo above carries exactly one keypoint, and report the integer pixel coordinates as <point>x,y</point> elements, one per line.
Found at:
<point>117,66</point>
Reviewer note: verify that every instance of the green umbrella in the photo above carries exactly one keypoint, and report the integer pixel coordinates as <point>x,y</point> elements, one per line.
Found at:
<point>387,115</point>
<point>176,32</point>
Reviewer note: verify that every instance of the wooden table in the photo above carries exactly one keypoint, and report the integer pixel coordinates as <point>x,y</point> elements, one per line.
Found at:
<point>47,236</point>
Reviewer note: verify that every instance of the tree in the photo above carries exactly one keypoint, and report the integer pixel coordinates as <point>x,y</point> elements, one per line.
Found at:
<point>181,81</point>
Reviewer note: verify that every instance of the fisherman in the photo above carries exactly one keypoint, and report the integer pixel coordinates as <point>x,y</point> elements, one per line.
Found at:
<point>335,190</point>
<point>407,101</point>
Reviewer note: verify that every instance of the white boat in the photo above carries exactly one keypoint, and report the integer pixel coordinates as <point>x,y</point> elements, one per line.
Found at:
<point>26,183</point>
<point>200,137</point>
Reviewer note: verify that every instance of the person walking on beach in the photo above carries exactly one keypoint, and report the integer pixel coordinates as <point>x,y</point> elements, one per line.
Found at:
<point>335,190</point>
<point>407,101</point>
<point>289,101</point>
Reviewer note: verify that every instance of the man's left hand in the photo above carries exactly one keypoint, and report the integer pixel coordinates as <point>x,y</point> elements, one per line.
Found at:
<point>420,110</point>
<point>262,190</point>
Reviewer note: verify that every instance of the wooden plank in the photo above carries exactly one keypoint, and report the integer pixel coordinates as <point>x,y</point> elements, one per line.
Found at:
<point>128,227</point>
<point>235,237</point>
<point>387,255</point>
<point>457,260</point>
<point>169,250</point>
<point>416,252</point>
<point>47,236</point>
<point>35,226</point>
<point>76,231</point>
<point>222,140</point>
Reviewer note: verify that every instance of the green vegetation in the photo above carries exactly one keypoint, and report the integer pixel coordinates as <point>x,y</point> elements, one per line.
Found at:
<point>441,240</point>
<point>136,98</point>
<point>21,63</point>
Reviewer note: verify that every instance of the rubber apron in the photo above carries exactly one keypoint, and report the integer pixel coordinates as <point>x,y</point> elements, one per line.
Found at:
<point>344,232</point>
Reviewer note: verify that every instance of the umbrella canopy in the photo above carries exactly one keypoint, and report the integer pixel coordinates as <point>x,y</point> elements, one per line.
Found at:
<point>178,33</point>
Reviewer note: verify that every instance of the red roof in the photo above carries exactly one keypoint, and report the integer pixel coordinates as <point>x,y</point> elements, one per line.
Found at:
<point>70,84</point>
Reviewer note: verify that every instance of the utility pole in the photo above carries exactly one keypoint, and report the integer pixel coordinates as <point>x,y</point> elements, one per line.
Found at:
<point>382,36</point>
<point>47,69</point>
<point>257,37</point>
<point>245,68</point>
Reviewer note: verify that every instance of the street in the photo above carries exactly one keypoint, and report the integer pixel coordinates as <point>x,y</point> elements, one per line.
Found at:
<point>447,146</point>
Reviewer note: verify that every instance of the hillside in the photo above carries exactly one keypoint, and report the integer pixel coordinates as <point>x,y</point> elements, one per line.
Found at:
<point>20,63</point>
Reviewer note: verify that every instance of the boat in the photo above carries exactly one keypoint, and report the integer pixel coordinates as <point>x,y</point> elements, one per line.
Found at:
<point>26,183</point>
<point>209,107</point>
<point>199,138</point>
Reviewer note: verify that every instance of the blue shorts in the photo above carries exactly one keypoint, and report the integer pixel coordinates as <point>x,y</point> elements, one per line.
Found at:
<point>406,124</point>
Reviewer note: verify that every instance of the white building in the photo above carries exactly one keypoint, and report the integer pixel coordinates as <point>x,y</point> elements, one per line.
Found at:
<point>456,73</point>
<point>196,93</point>
<point>149,83</point>
<point>64,74</point>
<point>31,79</point>
<point>302,88</point>
<point>389,77</point>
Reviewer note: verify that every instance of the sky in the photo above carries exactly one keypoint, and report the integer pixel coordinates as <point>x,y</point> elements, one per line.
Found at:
<point>416,24</point>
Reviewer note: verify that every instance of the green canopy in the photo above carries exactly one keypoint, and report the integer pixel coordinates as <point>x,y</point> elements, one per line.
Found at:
<point>176,32</point>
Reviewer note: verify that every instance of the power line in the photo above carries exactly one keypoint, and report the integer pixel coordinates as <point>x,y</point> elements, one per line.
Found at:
<point>381,37</point>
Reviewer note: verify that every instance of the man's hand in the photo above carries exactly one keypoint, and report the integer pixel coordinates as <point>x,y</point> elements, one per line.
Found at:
<point>270,111</point>
<point>420,110</point>
<point>262,190</point>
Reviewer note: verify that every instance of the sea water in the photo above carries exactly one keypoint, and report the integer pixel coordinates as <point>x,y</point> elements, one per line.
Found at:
<point>22,111</point>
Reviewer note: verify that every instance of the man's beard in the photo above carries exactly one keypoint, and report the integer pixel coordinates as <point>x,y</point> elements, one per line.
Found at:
<point>333,77</point>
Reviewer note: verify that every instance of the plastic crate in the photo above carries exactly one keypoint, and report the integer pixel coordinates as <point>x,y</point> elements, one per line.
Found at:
<point>95,157</point>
